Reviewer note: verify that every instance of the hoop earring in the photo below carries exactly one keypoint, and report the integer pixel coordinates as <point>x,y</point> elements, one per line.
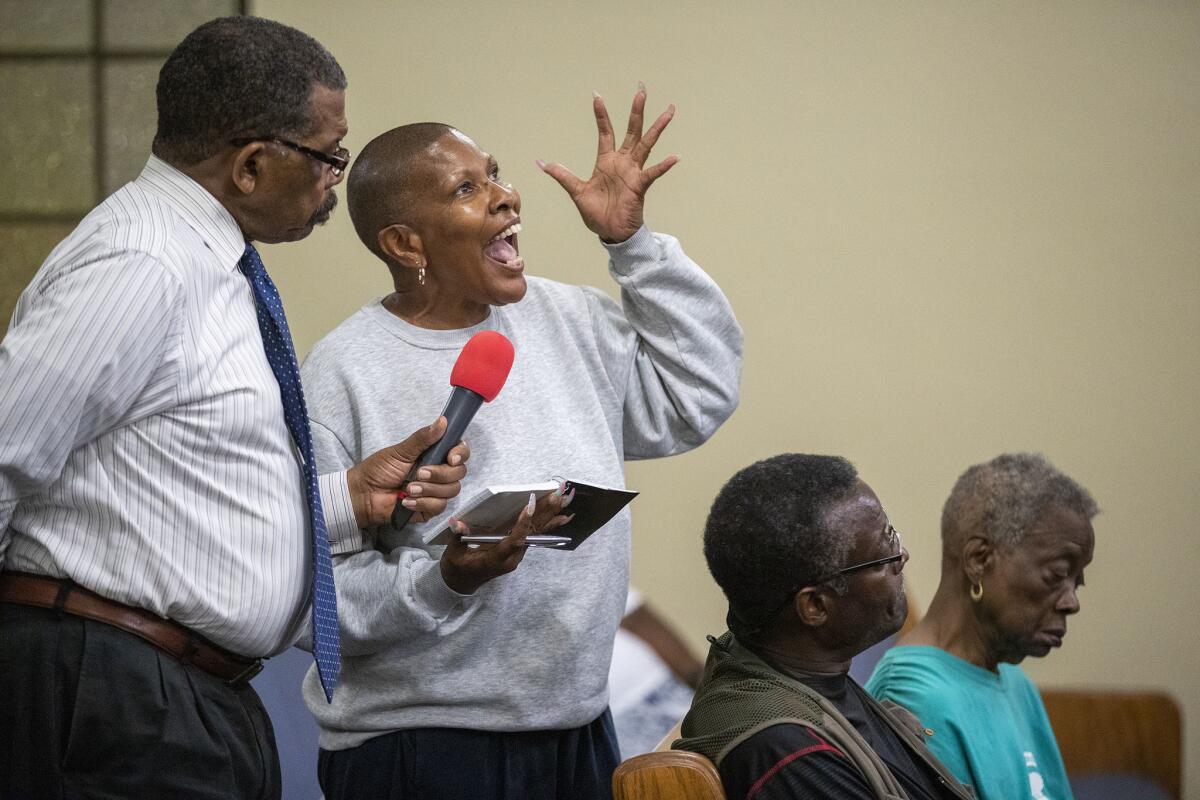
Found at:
<point>977,591</point>
<point>421,276</point>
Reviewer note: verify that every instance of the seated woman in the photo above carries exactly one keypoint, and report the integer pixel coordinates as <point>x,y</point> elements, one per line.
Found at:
<point>1016,536</point>
<point>482,672</point>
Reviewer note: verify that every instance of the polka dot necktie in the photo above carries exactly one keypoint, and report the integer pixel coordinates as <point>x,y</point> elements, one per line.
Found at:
<point>277,341</point>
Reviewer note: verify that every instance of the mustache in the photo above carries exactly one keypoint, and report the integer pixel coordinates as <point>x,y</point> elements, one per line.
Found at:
<point>321,215</point>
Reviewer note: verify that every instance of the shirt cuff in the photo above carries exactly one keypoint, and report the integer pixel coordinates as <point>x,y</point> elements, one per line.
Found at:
<point>639,248</point>
<point>431,591</point>
<point>340,524</point>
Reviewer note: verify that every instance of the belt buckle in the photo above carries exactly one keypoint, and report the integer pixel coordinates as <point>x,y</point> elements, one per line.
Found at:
<point>244,677</point>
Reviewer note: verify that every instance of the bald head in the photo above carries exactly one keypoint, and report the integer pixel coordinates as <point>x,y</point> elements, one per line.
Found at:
<point>386,176</point>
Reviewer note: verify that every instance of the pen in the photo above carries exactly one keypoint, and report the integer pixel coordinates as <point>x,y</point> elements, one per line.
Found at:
<point>536,540</point>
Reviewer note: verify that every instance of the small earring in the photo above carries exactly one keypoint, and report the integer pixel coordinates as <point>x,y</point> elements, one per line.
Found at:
<point>977,591</point>
<point>421,276</point>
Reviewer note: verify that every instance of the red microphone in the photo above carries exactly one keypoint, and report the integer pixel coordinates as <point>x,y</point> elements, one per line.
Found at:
<point>477,377</point>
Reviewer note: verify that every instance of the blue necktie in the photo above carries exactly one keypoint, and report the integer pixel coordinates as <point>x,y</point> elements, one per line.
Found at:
<point>277,341</point>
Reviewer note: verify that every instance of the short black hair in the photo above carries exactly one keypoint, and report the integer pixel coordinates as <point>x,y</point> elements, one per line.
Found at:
<point>379,189</point>
<point>1005,498</point>
<point>237,77</point>
<point>766,533</point>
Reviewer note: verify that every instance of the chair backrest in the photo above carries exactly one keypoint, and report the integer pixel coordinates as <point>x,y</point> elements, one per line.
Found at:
<point>667,775</point>
<point>1118,732</point>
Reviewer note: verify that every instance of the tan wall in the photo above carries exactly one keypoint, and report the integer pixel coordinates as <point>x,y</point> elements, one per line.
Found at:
<point>949,230</point>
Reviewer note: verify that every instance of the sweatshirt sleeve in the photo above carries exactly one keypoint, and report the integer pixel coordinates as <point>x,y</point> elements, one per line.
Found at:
<point>673,348</point>
<point>384,598</point>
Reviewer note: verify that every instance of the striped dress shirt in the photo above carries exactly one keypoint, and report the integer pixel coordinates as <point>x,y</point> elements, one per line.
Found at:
<point>143,450</point>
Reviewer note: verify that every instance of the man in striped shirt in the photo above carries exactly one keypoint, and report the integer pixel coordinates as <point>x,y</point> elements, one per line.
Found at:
<point>155,537</point>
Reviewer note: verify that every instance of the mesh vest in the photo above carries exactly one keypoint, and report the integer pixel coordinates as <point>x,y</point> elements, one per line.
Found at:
<point>742,695</point>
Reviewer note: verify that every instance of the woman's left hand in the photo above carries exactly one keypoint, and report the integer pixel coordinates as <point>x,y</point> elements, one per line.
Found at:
<point>611,201</point>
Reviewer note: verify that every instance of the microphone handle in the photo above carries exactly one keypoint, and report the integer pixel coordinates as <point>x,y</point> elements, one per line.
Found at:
<point>459,411</point>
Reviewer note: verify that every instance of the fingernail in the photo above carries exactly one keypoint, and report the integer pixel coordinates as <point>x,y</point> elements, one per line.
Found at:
<point>531,505</point>
<point>569,518</point>
<point>456,525</point>
<point>540,164</point>
<point>454,459</point>
<point>570,497</point>
<point>559,491</point>
<point>595,94</point>
<point>641,87</point>
<point>408,502</point>
<point>423,475</point>
<point>415,489</point>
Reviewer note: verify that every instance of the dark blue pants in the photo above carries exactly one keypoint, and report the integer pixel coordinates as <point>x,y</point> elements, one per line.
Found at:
<point>453,764</point>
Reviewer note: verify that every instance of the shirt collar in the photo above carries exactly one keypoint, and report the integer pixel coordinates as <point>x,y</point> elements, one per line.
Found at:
<point>200,209</point>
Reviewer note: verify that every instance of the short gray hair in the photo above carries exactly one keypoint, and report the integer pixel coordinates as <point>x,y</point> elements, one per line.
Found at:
<point>1005,497</point>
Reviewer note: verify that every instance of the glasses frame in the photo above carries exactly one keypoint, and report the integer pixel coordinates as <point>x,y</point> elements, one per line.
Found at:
<point>337,161</point>
<point>892,559</point>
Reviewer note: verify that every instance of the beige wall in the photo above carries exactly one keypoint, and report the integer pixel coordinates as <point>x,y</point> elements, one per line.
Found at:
<point>949,230</point>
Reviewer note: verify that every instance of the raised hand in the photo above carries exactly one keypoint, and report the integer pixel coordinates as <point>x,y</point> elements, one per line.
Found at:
<point>612,200</point>
<point>375,480</point>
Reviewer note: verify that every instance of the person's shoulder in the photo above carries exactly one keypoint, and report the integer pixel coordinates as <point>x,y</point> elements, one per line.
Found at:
<point>345,342</point>
<point>917,664</point>
<point>547,291</point>
<point>916,677</point>
<point>116,247</point>
<point>134,219</point>
<point>788,759</point>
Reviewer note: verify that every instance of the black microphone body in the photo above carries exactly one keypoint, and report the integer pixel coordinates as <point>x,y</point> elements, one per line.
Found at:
<point>459,411</point>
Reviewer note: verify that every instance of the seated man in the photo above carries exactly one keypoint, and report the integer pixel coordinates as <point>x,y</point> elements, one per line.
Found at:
<point>812,569</point>
<point>1021,529</point>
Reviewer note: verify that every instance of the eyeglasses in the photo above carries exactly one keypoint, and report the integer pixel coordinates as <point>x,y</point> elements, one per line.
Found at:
<point>337,161</point>
<point>893,541</point>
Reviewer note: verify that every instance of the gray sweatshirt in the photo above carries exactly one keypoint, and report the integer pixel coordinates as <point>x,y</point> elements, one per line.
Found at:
<point>593,383</point>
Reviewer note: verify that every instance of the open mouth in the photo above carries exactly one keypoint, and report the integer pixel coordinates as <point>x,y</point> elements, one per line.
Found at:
<point>502,248</point>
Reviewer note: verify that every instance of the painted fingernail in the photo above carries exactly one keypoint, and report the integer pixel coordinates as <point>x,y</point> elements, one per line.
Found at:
<point>415,489</point>
<point>531,505</point>
<point>570,497</point>
<point>424,475</point>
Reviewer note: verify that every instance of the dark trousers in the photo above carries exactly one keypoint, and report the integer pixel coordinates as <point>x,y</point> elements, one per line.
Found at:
<point>452,764</point>
<point>90,711</point>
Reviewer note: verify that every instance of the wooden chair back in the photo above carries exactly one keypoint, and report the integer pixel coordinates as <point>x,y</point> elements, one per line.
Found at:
<point>667,775</point>
<point>1111,732</point>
